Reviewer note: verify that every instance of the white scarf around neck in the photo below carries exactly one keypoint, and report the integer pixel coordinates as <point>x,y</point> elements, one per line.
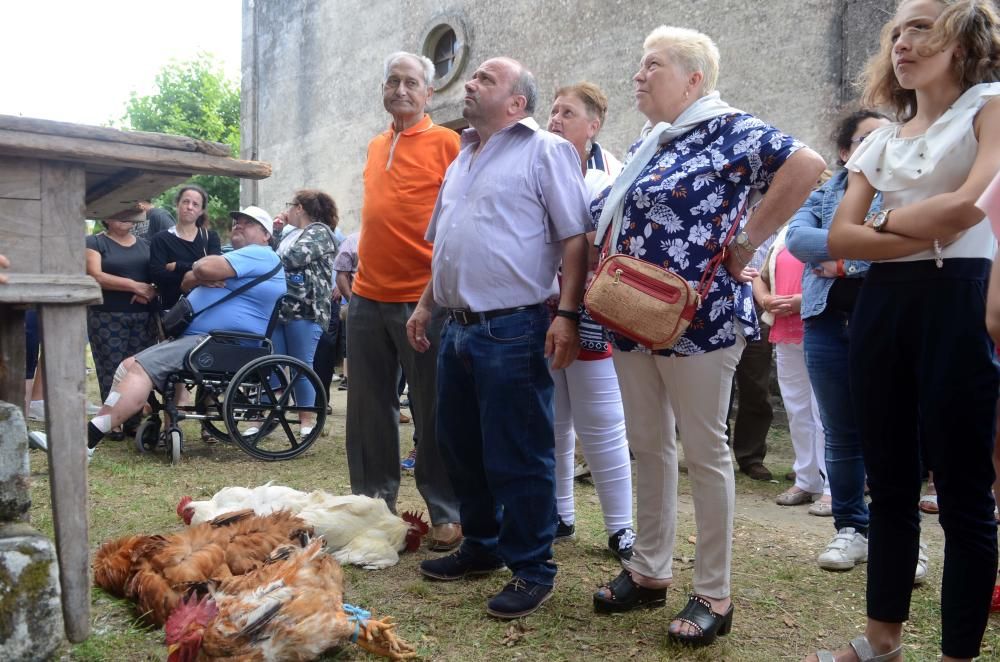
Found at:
<point>705,108</point>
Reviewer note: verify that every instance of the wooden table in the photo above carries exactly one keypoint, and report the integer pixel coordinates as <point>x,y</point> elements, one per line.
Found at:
<point>54,175</point>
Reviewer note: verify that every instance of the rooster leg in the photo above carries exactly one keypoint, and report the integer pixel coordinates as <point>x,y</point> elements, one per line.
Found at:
<point>378,637</point>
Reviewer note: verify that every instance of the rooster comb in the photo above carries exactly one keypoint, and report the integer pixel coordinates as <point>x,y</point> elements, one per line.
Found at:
<point>416,521</point>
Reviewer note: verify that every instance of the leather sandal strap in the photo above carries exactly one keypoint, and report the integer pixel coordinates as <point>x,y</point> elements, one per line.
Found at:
<point>681,619</point>
<point>698,613</point>
<point>622,585</point>
<point>866,653</point>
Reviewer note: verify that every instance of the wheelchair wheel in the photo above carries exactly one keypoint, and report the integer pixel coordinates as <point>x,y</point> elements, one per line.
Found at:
<point>147,435</point>
<point>261,411</point>
<point>175,446</point>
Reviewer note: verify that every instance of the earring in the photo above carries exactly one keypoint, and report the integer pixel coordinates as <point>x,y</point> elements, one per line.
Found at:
<point>687,93</point>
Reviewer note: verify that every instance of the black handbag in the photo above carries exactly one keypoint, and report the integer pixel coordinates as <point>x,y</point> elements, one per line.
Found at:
<point>177,320</point>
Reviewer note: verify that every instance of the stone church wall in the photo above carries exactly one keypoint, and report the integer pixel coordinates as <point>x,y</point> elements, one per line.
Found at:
<point>312,70</point>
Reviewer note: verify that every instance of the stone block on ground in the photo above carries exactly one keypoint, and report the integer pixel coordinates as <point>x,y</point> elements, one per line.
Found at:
<point>31,625</point>
<point>15,494</point>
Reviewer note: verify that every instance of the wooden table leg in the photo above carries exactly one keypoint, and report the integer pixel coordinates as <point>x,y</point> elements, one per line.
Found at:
<point>12,356</point>
<point>64,340</point>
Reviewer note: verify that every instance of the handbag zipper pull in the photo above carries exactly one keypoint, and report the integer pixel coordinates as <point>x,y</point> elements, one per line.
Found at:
<point>618,276</point>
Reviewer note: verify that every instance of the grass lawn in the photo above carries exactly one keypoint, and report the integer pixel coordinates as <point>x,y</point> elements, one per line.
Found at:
<point>785,608</point>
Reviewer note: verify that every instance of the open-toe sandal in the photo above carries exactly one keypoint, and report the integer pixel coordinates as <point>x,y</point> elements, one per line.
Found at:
<point>863,649</point>
<point>708,624</point>
<point>623,594</point>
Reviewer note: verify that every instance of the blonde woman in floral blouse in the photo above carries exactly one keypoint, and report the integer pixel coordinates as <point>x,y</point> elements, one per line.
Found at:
<point>307,250</point>
<point>685,181</point>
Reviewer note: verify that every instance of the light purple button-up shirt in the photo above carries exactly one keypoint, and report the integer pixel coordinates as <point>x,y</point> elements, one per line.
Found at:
<point>501,216</point>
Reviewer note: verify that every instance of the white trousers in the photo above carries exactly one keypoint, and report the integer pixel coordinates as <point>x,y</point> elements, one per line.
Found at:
<point>588,405</point>
<point>663,394</point>
<point>804,423</point>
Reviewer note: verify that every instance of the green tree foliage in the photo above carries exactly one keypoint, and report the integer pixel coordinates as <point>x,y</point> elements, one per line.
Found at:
<point>194,98</point>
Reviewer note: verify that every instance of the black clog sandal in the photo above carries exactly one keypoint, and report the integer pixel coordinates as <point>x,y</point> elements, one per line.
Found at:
<point>623,594</point>
<point>709,624</point>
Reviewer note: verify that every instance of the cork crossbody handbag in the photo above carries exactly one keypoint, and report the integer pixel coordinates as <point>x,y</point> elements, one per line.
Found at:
<point>643,302</point>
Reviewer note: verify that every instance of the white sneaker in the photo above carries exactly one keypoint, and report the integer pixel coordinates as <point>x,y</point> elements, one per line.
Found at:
<point>38,440</point>
<point>305,431</point>
<point>36,410</point>
<point>920,576</point>
<point>335,378</point>
<point>847,549</point>
<point>251,431</point>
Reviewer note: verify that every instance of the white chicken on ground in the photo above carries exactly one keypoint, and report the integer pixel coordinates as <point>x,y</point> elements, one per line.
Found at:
<point>359,530</point>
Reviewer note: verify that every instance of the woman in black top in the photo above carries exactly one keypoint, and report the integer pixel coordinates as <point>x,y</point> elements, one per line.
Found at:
<point>173,251</point>
<point>120,326</point>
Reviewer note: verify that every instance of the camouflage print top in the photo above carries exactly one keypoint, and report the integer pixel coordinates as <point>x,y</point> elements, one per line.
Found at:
<point>309,274</point>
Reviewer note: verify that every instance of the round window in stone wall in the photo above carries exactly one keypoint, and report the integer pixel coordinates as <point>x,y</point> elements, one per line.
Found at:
<point>446,45</point>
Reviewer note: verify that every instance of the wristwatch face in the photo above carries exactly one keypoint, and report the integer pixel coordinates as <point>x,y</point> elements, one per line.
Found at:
<point>879,220</point>
<point>743,240</point>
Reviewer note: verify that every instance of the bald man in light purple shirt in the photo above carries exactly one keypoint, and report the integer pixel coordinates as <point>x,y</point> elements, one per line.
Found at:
<point>513,206</point>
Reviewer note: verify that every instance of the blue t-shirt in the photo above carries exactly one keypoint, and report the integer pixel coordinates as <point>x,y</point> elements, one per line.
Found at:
<point>248,312</point>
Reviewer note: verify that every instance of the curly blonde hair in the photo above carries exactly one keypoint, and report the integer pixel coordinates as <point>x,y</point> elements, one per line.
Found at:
<point>973,24</point>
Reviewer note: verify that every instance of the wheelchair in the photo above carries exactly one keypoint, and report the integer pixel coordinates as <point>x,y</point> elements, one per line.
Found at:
<point>243,394</point>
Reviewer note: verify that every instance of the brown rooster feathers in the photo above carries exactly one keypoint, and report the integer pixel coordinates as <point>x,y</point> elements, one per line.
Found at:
<point>289,609</point>
<point>157,571</point>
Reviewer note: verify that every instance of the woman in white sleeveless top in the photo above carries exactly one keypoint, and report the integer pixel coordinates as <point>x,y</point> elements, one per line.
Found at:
<point>921,361</point>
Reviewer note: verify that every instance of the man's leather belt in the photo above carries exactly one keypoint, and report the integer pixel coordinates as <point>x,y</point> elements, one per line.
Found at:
<point>467,317</point>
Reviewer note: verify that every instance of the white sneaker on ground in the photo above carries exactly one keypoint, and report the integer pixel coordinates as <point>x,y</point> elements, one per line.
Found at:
<point>249,432</point>
<point>36,410</point>
<point>920,576</point>
<point>38,440</point>
<point>847,549</point>
<point>305,431</point>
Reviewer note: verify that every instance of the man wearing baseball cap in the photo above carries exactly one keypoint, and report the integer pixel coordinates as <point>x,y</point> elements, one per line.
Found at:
<point>210,280</point>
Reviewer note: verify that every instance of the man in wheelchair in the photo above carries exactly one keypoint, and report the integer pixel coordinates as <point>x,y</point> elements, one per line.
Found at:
<point>211,279</point>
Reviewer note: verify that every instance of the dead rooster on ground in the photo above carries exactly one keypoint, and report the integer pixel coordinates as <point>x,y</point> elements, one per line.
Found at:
<point>157,571</point>
<point>359,530</point>
<point>289,610</point>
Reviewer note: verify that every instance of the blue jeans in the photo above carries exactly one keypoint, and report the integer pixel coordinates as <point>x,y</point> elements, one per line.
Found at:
<point>298,339</point>
<point>826,345</point>
<point>495,429</point>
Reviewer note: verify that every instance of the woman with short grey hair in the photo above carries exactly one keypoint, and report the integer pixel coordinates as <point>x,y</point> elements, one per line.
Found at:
<point>687,181</point>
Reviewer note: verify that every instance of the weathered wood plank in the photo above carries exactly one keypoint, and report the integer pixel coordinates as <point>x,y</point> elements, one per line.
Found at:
<point>107,134</point>
<point>20,178</point>
<point>21,223</point>
<point>37,145</point>
<point>64,340</point>
<point>22,288</point>
<point>121,192</point>
<point>63,227</point>
<point>12,356</point>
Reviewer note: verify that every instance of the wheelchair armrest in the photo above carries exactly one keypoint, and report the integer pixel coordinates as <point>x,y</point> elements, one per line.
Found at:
<point>239,335</point>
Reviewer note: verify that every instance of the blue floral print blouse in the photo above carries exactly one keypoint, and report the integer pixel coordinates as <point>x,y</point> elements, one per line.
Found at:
<point>680,208</point>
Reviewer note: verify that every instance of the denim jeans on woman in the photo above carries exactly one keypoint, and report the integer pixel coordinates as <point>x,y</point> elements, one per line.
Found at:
<point>495,429</point>
<point>826,345</point>
<point>298,338</point>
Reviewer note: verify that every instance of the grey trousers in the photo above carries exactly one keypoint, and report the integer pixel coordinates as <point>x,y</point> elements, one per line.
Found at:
<point>377,347</point>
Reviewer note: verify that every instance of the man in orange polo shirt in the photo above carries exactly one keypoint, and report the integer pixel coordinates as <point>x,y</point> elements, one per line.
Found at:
<point>406,165</point>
